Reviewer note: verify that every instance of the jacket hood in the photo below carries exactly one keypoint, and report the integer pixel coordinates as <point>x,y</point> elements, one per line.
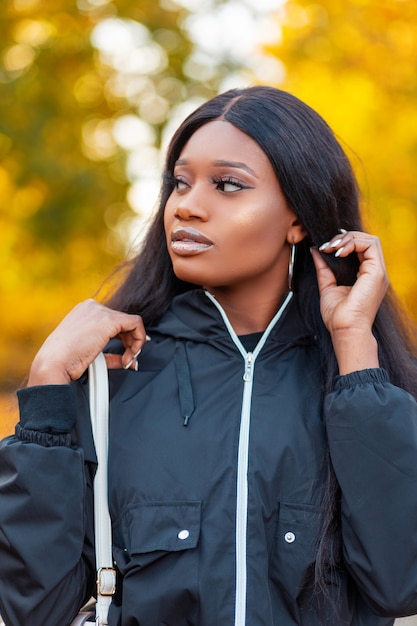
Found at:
<point>192,316</point>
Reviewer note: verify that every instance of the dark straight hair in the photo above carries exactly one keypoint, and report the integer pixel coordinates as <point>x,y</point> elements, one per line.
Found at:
<point>319,185</point>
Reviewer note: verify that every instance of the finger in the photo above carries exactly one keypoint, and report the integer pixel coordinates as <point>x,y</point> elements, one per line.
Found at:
<point>129,358</point>
<point>132,364</point>
<point>133,343</point>
<point>372,279</point>
<point>116,362</point>
<point>113,361</point>
<point>345,243</point>
<point>325,276</point>
<point>369,253</point>
<point>127,327</point>
<point>338,242</point>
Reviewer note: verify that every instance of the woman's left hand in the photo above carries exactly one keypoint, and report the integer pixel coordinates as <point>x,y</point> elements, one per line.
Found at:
<point>349,311</point>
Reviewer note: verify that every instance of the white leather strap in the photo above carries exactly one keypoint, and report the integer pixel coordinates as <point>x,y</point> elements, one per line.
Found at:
<point>99,411</point>
<point>81,619</point>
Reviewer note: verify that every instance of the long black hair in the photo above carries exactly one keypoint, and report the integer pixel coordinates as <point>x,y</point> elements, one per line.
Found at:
<point>320,187</point>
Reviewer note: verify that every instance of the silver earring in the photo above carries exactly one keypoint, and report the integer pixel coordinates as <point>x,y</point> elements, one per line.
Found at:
<point>291,267</point>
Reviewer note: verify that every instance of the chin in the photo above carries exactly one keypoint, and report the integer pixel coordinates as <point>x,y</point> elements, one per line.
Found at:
<point>188,277</point>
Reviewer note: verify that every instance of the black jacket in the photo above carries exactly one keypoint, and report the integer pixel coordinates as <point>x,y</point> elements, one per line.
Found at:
<point>216,483</point>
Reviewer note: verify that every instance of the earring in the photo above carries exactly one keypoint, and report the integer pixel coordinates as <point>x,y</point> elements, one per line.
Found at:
<point>291,267</point>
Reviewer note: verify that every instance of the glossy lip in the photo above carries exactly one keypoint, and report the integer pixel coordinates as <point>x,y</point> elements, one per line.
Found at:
<point>188,241</point>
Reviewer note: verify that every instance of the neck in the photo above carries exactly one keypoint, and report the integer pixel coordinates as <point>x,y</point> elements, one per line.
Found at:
<point>246,315</point>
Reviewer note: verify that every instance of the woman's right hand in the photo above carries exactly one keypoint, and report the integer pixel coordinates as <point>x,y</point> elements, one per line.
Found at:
<point>82,334</point>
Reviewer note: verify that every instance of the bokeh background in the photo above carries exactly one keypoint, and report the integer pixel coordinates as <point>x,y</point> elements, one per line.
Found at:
<point>91,90</point>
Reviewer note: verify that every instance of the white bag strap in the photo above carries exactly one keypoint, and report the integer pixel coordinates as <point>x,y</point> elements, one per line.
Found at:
<point>80,620</point>
<point>99,411</point>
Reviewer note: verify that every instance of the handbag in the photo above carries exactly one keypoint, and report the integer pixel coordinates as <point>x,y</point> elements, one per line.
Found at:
<point>106,574</point>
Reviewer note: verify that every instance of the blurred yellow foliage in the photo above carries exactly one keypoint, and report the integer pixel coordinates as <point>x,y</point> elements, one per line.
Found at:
<point>8,412</point>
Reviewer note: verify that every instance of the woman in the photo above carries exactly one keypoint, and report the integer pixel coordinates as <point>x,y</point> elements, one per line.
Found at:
<point>262,446</point>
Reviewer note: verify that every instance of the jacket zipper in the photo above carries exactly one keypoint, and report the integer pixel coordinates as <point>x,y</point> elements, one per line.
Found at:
<point>242,492</point>
<point>243,456</point>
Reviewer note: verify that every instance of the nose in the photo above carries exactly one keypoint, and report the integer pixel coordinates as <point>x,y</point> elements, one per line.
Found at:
<point>191,206</point>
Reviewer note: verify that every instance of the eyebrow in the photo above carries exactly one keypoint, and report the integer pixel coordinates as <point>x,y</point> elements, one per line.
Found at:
<point>224,163</point>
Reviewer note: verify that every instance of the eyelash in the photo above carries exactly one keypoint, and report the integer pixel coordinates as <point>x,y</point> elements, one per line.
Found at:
<point>228,180</point>
<point>173,180</point>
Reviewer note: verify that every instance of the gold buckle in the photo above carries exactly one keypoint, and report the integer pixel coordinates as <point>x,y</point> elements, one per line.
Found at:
<point>106,585</point>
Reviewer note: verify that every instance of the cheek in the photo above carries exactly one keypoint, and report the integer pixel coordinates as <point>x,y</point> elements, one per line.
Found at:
<point>261,237</point>
<point>260,225</point>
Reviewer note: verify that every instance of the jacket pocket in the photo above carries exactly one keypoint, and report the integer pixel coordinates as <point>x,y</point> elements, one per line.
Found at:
<point>156,553</point>
<point>148,531</point>
<point>295,547</point>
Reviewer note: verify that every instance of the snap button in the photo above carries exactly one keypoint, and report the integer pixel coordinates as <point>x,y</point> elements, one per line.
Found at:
<point>183,534</point>
<point>289,537</point>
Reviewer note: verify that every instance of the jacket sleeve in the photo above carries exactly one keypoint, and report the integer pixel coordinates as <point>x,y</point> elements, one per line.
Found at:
<point>46,537</point>
<point>372,433</point>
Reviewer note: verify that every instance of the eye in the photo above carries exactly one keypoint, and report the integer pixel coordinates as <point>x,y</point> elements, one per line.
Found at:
<point>174,182</point>
<point>180,184</point>
<point>229,185</point>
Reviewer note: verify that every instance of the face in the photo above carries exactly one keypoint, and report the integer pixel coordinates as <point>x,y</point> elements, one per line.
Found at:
<point>227,222</point>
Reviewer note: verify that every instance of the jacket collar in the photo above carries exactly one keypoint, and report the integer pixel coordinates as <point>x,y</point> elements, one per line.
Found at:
<point>192,316</point>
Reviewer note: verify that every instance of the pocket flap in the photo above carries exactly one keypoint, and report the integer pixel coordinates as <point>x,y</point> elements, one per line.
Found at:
<point>167,526</point>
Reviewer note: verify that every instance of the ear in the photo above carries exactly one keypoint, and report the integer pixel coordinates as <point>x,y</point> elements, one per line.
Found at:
<point>296,232</point>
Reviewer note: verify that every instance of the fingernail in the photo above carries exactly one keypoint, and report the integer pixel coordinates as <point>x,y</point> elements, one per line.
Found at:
<point>148,338</point>
<point>136,366</point>
<point>338,252</point>
<point>126,367</point>
<point>324,245</point>
<point>336,243</point>
<point>135,356</point>
<point>342,231</point>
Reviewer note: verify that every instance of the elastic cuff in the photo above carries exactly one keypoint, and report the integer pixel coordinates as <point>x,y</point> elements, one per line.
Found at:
<point>48,440</point>
<point>375,375</point>
<point>47,408</point>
